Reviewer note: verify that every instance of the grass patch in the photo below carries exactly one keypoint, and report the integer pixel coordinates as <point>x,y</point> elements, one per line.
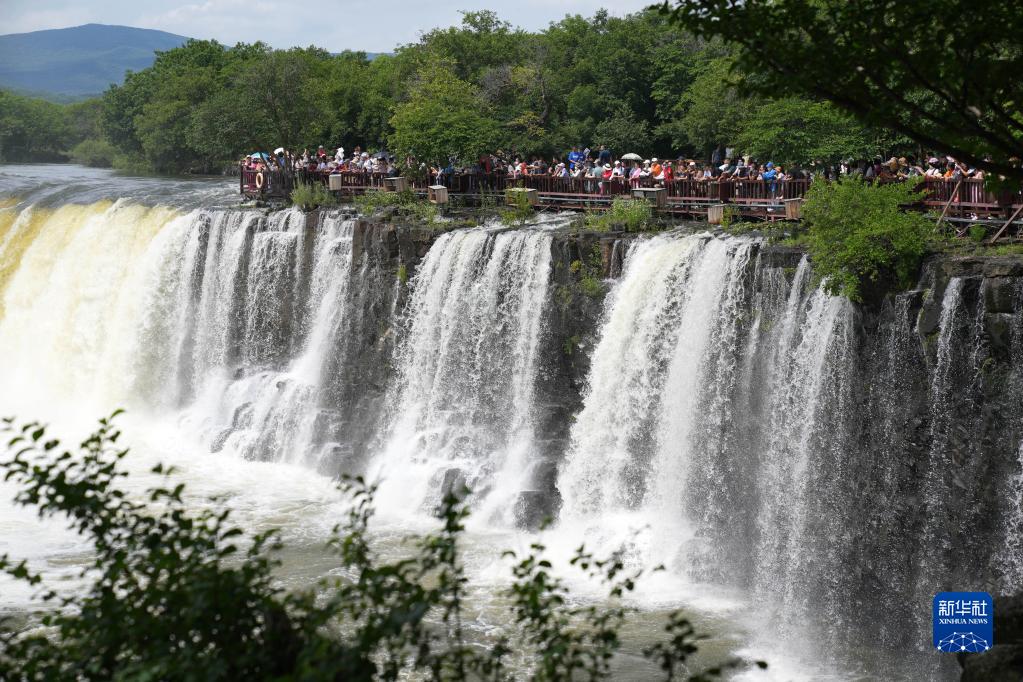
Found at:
<point>310,195</point>
<point>407,203</point>
<point>631,215</point>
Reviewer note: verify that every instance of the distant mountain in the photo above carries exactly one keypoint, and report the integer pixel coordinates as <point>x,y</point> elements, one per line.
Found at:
<point>73,62</point>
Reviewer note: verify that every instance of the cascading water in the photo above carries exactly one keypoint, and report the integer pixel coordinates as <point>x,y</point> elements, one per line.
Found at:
<point>733,408</point>
<point>233,318</point>
<point>829,464</point>
<point>462,411</point>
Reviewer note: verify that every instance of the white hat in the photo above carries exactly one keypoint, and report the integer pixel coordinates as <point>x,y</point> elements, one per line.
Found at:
<point>365,155</point>
<point>654,160</point>
<point>607,166</point>
<point>279,150</point>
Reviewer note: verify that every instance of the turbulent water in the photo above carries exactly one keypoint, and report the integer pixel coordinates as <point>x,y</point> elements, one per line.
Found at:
<point>809,472</point>
<point>462,411</point>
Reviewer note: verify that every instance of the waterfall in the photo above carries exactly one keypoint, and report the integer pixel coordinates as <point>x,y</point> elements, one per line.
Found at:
<point>738,410</point>
<point>462,409</point>
<point>833,465</point>
<point>231,318</point>
<point>1011,556</point>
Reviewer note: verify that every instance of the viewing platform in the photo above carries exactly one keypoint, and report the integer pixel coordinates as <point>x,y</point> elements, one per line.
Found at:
<point>963,201</point>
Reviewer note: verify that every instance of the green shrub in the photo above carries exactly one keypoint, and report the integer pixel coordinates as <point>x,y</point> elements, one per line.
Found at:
<point>632,215</point>
<point>405,201</point>
<point>310,195</point>
<point>861,242</point>
<point>592,287</point>
<point>95,153</point>
<point>977,233</point>
<point>520,210</point>
<point>179,595</point>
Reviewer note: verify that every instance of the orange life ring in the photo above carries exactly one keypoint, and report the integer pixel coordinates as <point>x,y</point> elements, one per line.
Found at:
<point>259,180</point>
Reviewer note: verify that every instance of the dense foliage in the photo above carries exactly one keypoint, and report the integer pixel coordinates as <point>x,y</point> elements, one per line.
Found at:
<point>636,83</point>
<point>945,74</point>
<point>861,242</point>
<point>41,131</point>
<point>179,595</point>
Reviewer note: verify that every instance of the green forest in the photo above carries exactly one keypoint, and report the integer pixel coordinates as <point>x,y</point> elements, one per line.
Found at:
<point>637,83</point>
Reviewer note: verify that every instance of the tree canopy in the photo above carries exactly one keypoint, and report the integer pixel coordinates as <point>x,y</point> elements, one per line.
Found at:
<point>638,83</point>
<point>943,73</point>
<point>443,116</point>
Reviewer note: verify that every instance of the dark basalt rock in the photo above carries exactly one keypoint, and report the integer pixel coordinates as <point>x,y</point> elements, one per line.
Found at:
<point>453,483</point>
<point>1000,663</point>
<point>218,442</point>
<point>1000,294</point>
<point>1009,619</point>
<point>242,417</point>
<point>533,508</point>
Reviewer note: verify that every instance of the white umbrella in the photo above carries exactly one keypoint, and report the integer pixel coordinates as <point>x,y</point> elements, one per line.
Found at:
<point>632,157</point>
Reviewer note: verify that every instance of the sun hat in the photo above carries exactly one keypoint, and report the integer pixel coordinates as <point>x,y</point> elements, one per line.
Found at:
<point>607,166</point>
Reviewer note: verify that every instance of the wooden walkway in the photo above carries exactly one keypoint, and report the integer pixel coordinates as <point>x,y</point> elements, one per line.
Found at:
<point>963,202</point>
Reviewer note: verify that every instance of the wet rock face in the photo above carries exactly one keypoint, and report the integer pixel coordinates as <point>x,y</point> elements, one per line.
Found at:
<point>1004,661</point>
<point>1001,663</point>
<point>533,508</point>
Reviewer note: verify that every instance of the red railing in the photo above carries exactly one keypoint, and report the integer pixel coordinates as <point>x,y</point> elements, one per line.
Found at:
<point>270,183</point>
<point>965,198</point>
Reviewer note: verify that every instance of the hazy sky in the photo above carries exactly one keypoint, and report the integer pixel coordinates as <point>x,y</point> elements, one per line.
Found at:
<point>370,25</point>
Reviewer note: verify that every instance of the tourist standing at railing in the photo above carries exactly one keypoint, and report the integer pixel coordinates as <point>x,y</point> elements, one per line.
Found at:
<point>770,175</point>
<point>605,176</point>
<point>727,169</point>
<point>635,175</point>
<point>575,157</point>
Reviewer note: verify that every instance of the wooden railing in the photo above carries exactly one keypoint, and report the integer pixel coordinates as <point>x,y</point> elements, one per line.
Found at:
<point>273,183</point>
<point>958,199</point>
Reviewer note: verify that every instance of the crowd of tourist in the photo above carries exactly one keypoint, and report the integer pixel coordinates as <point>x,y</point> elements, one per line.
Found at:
<point>600,165</point>
<point>320,161</point>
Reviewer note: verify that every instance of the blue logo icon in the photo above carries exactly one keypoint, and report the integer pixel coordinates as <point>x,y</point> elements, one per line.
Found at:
<point>963,622</point>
